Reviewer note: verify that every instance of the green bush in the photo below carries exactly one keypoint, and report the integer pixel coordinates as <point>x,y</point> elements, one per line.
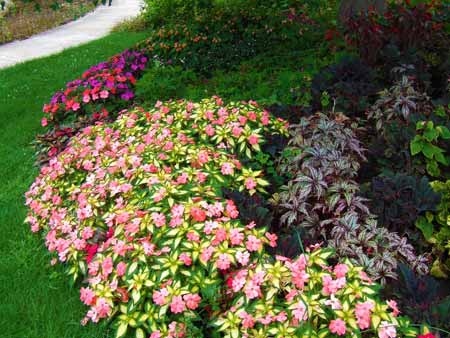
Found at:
<point>164,82</point>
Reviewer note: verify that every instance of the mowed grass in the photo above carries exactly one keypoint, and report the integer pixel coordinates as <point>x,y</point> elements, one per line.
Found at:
<point>35,302</point>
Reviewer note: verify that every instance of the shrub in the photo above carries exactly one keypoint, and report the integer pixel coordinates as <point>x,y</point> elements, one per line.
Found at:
<point>100,94</point>
<point>435,227</point>
<point>405,34</point>
<point>398,200</point>
<point>320,199</point>
<point>306,297</point>
<point>164,82</point>
<point>430,143</point>
<point>221,39</point>
<point>350,83</point>
<point>134,210</point>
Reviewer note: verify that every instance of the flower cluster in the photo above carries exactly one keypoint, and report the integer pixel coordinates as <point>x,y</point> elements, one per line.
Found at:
<point>134,210</point>
<point>102,91</point>
<point>306,297</point>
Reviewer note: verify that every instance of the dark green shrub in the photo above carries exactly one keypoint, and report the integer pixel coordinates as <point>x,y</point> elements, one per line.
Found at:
<point>164,82</point>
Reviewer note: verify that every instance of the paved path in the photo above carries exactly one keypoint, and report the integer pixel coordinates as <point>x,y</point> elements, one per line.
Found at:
<point>90,27</point>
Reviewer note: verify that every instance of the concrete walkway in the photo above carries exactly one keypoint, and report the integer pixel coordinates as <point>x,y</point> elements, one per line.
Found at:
<point>90,27</point>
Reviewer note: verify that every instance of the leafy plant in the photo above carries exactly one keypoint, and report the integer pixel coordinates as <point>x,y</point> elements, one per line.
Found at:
<point>398,200</point>
<point>435,227</point>
<point>349,83</point>
<point>321,197</point>
<point>162,82</point>
<point>426,143</point>
<point>134,210</point>
<point>307,297</point>
<point>102,92</point>
<point>423,298</point>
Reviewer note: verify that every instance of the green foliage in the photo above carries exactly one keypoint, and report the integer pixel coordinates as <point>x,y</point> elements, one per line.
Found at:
<point>164,82</point>
<point>436,229</point>
<point>426,144</point>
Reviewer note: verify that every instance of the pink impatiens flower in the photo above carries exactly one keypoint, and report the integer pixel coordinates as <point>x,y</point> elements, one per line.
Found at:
<point>177,305</point>
<point>393,305</point>
<point>253,243</point>
<point>159,297</point>
<point>299,311</point>
<point>362,312</point>
<point>337,326</point>
<point>253,139</point>
<point>250,183</point>
<point>387,330</point>
<point>223,262</point>
<point>192,300</point>
<point>340,270</point>
<point>186,259</point>
<point>243,257</point>
<point>227,169</point>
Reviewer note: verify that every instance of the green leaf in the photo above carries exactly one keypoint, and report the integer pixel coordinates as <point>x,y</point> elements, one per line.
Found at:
<point>445,133</point>
<point>433,168</point>
<point>431,134</point>
<point>425,226</point>
<point>121,330</point>
<point>416,146</point>
<point>140,333</point>
<point>428,150</point>
<point>441,158</point>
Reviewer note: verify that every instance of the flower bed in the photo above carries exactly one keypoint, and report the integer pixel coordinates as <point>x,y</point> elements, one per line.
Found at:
<point>100,94</point>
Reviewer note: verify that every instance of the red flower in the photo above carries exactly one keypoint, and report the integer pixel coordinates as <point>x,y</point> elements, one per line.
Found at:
<point>428,335</point>
<point>198,214</point>
<point>91,250</point>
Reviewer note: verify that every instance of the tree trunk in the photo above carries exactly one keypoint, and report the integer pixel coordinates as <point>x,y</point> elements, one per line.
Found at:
<point>352,7</point>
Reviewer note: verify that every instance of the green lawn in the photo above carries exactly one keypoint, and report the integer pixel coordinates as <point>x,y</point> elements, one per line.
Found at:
<point>36,302</point>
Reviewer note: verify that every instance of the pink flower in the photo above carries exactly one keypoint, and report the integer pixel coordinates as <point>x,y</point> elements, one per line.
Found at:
<point>253,243</point>
<point>253,139</point>
<point>247,320</point>
<point>121,268</point>
<point>177,305</point>
<point>387,330</point>
<point>223,262</point>
<point>334,303</point>
<point>192,300</point>
<point>393,305</point>
<point>87,296</point>
<point>362,312</point>
<point>186,259</point>
<point>236,237</point>
<point>237,131</point>
<point>340,270</point>
<point>299,311</point>
<point>102,308</point>
<point>44,122</point>
<point>159,297</point>
<point>104,94</point>
<point>193,236</point>
<point>107,266</point>
<point>337,326</point>
<point>243,257</point>
<point>272,239</point>
<point>209,130</point>
<point>159,219</point>
<point>75,106</point>
<point>156,334</point>
<point>252,290</point>
<point>227,169</point>
<point>250,183</point>
<point>206,254</point>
